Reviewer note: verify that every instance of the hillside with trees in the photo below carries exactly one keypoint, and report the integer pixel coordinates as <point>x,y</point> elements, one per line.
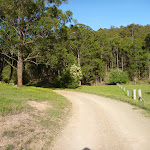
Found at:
<point>40,46</point>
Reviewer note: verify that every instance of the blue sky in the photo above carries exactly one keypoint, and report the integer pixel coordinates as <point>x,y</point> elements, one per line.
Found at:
<point>106,13</point>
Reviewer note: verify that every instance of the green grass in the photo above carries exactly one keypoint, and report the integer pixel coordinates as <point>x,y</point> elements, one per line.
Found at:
<point>43,125</point>
<point>145,88</point>
<point>114,92</point>
<point>13,99</point>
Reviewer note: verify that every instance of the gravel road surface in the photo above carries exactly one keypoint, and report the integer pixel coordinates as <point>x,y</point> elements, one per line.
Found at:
<point>99,123</point>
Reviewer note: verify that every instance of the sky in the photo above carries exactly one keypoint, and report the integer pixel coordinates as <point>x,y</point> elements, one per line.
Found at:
<point>106,13</point>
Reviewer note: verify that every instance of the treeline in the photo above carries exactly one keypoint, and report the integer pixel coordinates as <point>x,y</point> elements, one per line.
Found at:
<point>41,48</point>
<point>97,52</point>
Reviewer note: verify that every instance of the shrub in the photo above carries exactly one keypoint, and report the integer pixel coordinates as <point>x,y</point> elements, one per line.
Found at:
<point>76,73</point>
<point>70,77</point>
<point>5,80</point>
<point>65,79</point>
<point>118,76</point>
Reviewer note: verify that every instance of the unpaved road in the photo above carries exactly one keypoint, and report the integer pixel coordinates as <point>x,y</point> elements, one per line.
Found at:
<point>99,123</point>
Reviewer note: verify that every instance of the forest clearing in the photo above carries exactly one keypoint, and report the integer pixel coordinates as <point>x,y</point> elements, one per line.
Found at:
<point>65,85</point>
<point>33,115</point>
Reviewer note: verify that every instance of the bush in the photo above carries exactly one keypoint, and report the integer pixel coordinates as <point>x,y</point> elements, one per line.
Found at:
<point>118,76</point>
<point>70,77</point>
<point>65,80</point>
<point>76,73</point>
<point>5,80</point>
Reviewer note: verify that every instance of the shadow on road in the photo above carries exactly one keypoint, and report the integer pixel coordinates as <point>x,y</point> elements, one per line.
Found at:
<point>86,148</point>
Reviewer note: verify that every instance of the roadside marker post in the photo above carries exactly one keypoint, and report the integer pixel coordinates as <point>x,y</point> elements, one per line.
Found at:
<point>134,94</point>
<point>128,93</point>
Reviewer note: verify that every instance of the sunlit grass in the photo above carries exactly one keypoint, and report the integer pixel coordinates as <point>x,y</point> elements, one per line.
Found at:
<point>13,99</point>
<point>114,92</point>
<point>145,88</point>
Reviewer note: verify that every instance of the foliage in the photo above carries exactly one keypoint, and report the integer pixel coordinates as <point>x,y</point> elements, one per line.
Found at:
<point>49,43</point>
<point>5,80</point>
<point>23,24</point>
<point>76,73</point>
<point>70,77</point>
<point>118,76</point>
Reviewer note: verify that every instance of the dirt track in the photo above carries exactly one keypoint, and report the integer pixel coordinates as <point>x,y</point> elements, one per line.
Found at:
<point>99,123</point>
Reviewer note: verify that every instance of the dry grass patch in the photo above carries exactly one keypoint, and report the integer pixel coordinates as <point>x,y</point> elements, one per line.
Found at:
<point>34,127</point>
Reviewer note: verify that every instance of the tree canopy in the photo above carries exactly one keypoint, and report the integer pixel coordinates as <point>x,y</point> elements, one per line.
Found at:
<point>37,41</point>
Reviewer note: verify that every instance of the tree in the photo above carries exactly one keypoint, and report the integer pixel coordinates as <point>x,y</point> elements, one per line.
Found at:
<point>76,74</point>
<point>118,76</point>
<point>29,20</point>
<point>147,47</point>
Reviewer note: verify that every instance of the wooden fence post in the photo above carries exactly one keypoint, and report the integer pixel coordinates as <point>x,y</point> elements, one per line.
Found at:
<point>139,94</point>
<point>134,94</point>
<point>128,93</point>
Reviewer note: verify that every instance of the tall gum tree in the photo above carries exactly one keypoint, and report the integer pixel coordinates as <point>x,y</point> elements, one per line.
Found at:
<point>30,20</point>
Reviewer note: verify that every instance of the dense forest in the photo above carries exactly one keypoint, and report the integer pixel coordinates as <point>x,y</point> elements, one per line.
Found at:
<point>40,43</point>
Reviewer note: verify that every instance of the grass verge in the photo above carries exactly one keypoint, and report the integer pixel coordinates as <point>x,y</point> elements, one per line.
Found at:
<point>114,92</point>
<point>25,126</point>
<point>14,99</point>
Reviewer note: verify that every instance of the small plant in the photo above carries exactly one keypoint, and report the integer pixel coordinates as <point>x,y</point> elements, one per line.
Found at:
<point>118,76</point>
<point>9,147</point>
<point>9,133</point>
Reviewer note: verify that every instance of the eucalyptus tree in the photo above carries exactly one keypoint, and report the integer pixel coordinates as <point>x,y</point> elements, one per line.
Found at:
<point>147,56</point>
<point>29,20</point>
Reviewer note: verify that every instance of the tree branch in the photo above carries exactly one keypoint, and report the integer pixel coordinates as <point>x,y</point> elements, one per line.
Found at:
<point>9,56</point>
<point>32,40</point>
<point>28,57</point>
<point>33,62</point>
<point>10,64</point>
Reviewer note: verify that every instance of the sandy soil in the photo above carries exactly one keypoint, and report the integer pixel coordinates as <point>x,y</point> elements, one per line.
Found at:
<point>99,123</point>
<point>27,130</point>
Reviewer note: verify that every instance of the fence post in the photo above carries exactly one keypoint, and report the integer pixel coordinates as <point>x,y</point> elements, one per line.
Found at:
<point>139,94</point>
<point>134,94</point>
<point>128,93</point>
<point>124,89</point>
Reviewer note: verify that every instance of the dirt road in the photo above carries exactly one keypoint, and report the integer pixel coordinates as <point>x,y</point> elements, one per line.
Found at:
<point>99,123</point>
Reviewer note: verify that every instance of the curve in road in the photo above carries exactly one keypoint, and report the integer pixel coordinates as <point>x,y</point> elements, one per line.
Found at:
<point>99,123</point>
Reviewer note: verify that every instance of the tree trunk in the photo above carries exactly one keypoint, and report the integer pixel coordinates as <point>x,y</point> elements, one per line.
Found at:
<point>139,73</point>
<point>106,69</point>
<point>96,81</point>
<point>2,65</point>
<point>79,64</point>
<point>1,70</point>
<point>79,83</point>
<point>11,73</point>
<point>112,66</point>
<point>20,69</point>
<point>101,80</point>
<point>149,71</point>
<point>122,63</point>
<point>78,57</point>
<point>117,59</point>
